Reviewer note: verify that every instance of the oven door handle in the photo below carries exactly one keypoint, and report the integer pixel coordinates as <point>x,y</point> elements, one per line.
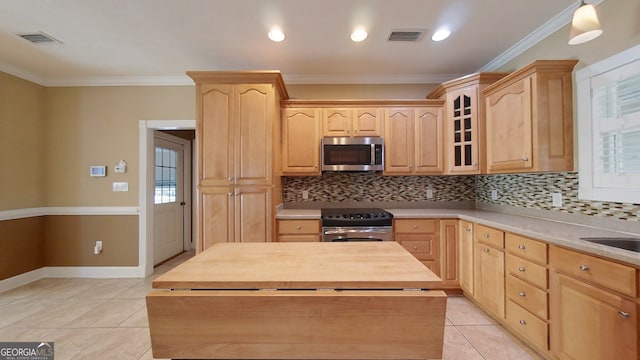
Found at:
<point>338,232</point>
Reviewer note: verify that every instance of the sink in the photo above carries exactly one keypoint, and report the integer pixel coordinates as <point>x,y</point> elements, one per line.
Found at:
<point>627,243</point>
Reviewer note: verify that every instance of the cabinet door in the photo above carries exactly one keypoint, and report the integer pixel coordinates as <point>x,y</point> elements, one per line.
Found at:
<point>489,278</point>
<point>509,128</point>
<point>466,256</point>
<point>449,249</point>
<point>367,122</point>
<point>252,214</point>
<point>215,216</point>
<point>215,134</point>
<point>398,136</point>
<point>590,323</point>
<point>254,128</point>
<point>301,142</point>
<point>336,122</point>
<point>463,134</point>
<point>429,144</point>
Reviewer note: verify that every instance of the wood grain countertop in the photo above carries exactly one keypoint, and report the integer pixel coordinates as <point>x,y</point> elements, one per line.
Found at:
<point>255,266</point>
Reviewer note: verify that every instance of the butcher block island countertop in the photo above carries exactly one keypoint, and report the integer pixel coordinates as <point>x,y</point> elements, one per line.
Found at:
<point>355,300</point>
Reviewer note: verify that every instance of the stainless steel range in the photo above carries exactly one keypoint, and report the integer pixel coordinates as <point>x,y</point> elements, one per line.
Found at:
<point>371,224</point>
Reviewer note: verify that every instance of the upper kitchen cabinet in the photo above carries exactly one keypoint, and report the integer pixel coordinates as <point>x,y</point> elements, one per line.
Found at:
<point>301,141</point>
<point>414,140</point>
<point>529,117</point>
<point>464,122</point>
<point>351,122</point>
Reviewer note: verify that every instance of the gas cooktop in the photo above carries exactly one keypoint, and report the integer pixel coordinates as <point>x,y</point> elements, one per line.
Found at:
<point>355,217</point>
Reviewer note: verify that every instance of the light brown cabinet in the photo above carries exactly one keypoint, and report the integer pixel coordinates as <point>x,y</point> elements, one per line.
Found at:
<point>301,141</point>
<point>529,119</point>
<point>466,257</point>
<point>527,289</point>
<point>352,122</point>
<point>464,125</point>
<point>306,230</point>
<point>237,127</point>
<point>593,307</point>
<point>488,272</point>
<point>421,238</point>
<point>449,248</point>
<point>414,141</point>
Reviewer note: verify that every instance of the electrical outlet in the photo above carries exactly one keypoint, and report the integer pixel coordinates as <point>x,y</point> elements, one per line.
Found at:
<point>429,193</point>
<point>494,194</point>
<point>556,199</point>
<point>305,194</point>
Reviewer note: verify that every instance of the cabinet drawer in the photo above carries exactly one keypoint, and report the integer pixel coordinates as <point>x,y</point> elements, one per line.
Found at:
<point>528,326</point>
<point>298,227</point>
<point>527,271</point>
<point>527,296</point>
<point>526,248</point>
<point>489,235</point>
<point>415,226</point>
<point>601,272</point>
<point>299,238</point>
<point>433,265</point>
<point>421,249</point>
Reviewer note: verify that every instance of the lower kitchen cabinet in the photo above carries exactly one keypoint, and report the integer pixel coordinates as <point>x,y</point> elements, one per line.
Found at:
<point>465,258</point>
<point>449,250</point>
<point>421,238</point>
<point>298,230</point>
<point>234,214</point>
<point>590,320</point>
<point>488,272</point>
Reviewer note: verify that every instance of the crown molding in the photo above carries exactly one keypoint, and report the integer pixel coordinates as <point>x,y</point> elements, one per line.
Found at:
<point>541,33</point>
<point>369,79</point>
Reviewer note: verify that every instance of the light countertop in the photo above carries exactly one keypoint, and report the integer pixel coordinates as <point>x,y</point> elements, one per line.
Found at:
<point>554,232</point>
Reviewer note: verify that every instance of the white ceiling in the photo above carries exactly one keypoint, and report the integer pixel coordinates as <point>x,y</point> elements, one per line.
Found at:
<point>113,42</point>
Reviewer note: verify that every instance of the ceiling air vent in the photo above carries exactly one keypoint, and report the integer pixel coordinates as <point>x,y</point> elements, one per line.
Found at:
<point>39,38</point>
<point>406,35</point>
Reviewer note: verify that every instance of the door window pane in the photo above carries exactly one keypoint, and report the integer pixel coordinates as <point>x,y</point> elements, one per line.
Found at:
<point>165,184</point>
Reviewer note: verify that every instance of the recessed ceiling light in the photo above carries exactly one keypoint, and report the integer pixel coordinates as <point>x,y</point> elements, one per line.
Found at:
<point>441,35</point>
<point>276,35</point>
<point>358,35</point>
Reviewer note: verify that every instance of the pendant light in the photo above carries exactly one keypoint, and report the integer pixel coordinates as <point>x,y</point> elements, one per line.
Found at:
<point>585,25</point>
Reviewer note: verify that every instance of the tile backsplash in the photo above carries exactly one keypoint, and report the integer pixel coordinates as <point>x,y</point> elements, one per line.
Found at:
<point>530,191</point>
<point>373,187</point>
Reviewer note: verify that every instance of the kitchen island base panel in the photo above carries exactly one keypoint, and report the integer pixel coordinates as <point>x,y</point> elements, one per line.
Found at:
<point>296,324</point>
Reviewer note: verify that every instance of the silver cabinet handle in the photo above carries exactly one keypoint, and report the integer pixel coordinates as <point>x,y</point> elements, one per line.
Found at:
<point>522,322</point>
<point>415,226</point>
<point>468,229</point>
<point>522,293</point>
<point>521,247</point>
<point>298,227</point>
<point>525,159</point>
<point>486,235</point>
<point>522,269</point>
<point>486,250</point>
<point>415,247</point>
<point>623,314</point>
<point>584,267</point>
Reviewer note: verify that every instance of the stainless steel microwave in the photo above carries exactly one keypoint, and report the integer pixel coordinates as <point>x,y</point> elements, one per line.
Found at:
<point>352,154</point>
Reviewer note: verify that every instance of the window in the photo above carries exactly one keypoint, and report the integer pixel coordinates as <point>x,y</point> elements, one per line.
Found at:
<point>609,128</point>
<point>166,163</point>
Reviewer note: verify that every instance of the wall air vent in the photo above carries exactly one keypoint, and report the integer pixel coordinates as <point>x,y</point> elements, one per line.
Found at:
<point>40,38</point>
<point>406,35</point>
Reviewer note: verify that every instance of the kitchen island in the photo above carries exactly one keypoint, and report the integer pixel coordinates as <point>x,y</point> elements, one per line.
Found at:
<point>356,300</point>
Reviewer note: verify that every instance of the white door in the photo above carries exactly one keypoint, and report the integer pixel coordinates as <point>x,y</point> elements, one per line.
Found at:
<point>169,200</point>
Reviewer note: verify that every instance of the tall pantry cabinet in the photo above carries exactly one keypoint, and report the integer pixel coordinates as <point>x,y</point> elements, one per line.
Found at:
<point>237,126</point>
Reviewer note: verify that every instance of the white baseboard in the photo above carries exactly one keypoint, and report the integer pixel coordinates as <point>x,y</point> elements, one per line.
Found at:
<point>72,272</point>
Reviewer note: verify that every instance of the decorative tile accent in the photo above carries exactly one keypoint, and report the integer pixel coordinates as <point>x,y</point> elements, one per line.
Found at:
<point>534,191</point>
<point>365,187</point>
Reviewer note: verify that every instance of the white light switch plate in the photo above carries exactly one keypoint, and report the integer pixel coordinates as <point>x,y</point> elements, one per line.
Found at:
<point>556,199</point>
<point>494,194</point>
<point>429,194</point>
<point>120,186</point>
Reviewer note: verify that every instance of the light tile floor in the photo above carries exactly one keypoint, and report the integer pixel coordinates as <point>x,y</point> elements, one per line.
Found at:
<point>107,319</point>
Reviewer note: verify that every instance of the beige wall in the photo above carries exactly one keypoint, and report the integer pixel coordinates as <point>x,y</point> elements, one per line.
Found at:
<point>99,126</point>
<point>620,20</point>
<point>21,143</point>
